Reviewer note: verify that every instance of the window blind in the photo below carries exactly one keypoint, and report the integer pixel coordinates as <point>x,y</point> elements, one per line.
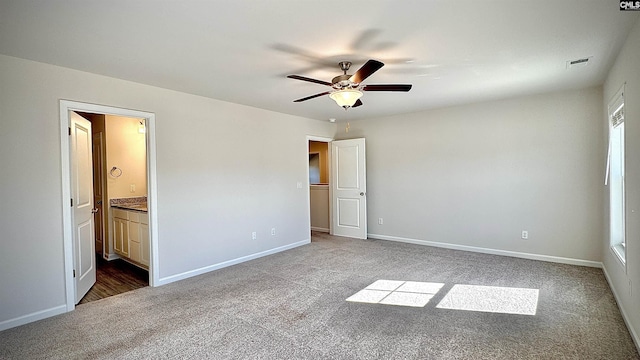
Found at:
<point>617,117</point>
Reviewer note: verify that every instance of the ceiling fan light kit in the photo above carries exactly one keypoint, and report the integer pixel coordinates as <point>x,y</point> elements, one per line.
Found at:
<point>348,89</point>
<point>346,98</point>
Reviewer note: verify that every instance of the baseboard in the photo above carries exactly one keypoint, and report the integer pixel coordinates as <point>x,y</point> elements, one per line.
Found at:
<point>634,334</point>
<point>111,257</point>
<point>319,229</point>
<point>555,259</point>
<point>206,269</point>
<point>38,315</point>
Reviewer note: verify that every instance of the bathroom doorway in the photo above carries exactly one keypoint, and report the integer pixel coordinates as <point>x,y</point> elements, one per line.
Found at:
<point>119,174</point>
<point>146,226</point>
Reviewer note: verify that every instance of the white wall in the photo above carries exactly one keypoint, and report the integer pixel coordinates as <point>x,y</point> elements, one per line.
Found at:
<point>477,175</point>
<point>626,286</point>
<point>224,170</point>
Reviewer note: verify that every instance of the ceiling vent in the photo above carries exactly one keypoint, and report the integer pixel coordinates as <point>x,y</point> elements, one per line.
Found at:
<point>578,62</point>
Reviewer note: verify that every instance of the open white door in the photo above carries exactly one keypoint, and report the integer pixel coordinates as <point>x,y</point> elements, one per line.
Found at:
<point>349,188</point>
<point>84,254</point>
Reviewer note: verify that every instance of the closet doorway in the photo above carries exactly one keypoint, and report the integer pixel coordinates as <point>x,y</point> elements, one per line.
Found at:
<point>319,166</point>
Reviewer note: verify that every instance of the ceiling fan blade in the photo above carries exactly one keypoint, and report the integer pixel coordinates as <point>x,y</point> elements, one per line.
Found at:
<point>311,97</point>
<point>357,103</point>
<point>366,70</point>
<point>298,77</point>
<point>387,87</point>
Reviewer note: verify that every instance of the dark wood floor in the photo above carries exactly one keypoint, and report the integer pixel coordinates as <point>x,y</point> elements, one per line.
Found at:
<point>115,277</point>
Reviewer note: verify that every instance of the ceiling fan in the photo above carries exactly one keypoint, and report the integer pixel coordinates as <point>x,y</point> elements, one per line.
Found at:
<point>347,89</point>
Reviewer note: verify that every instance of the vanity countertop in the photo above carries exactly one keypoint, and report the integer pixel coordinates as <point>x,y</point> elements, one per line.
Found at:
<point>134,203</point>
<point>136,207</point>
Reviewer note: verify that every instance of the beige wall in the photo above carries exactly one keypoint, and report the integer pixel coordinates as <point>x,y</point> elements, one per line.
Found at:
<point>126,149</point>
<point>209,199</point>
<point>479,174</point>
<point>322,149</point>
<point>625,281</point>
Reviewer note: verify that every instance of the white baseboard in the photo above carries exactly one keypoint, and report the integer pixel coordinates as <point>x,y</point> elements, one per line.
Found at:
<point>38,315</point>
<point>529,256</point>
<point>324,230</point>
<point>634,334</point>
<point>206,269</point>
<point>111,257</point>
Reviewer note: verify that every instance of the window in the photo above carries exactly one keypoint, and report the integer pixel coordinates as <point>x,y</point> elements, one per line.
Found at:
<point>615,176</point>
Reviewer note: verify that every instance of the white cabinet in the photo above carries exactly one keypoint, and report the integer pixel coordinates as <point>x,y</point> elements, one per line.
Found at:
<point>131,236</point>
<point>145,253</point>
<point>121,232</point>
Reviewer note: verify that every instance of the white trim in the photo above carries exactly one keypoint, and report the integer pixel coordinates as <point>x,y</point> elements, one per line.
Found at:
<point>111,257</point>
<point>35,316</point>
<point>206,269</point>
<point>152,192</point>
<point>67,218</point>
<point>548,258</point>
<point>616,251</point>
<point>627,322</point>
<point>324,230</point>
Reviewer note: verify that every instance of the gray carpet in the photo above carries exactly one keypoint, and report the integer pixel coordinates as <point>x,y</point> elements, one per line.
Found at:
<point>292,305</point>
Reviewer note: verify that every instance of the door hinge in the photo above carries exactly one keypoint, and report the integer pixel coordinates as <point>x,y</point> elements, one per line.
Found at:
<point>71,202</point>
<point>74,272</point>
<point>69,131</point>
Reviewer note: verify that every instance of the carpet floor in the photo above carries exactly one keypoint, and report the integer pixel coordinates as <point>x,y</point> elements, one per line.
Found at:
<point>291,305</point>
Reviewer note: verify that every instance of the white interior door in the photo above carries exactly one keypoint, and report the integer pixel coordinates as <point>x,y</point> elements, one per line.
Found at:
<point>84,257</point>
<point>349,188</point>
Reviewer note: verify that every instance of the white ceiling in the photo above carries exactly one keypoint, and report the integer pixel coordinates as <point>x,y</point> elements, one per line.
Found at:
<point>452,52</point>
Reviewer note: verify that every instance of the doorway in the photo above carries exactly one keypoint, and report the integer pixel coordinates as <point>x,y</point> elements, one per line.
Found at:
<point>346,187</point>
<point>318,169</point>
<point>119,175</point>
<point>148,119</point>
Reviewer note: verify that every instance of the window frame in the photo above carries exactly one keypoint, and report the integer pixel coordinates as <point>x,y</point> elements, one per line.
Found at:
<point>617,242</point>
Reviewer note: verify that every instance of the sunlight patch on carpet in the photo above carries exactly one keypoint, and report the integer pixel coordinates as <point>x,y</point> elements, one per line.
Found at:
<point>495,299</point>
<point>400,293</point>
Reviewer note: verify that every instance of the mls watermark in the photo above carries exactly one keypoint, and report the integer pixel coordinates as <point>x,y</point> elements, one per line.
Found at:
<point>627,5</point>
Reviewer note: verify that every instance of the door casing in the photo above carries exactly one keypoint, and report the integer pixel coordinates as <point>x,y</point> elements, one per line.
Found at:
<point>152,189</point>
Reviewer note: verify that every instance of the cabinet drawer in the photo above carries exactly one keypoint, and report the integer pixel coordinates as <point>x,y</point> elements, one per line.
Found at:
<point>121,214</point>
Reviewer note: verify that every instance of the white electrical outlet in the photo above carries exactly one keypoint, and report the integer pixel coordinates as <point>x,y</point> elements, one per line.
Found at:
<point>273,231</point>
<point>380,221</point>
<point>525,234</point>
<point>253,235</point>
<point>133,188</point>
<point>299,185</point>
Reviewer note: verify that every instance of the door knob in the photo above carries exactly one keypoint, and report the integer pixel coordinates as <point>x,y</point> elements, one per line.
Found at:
<point>361,194</point>
<point>94,210</point>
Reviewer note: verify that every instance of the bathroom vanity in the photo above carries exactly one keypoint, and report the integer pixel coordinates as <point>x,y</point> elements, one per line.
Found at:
<point>131,231</point>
